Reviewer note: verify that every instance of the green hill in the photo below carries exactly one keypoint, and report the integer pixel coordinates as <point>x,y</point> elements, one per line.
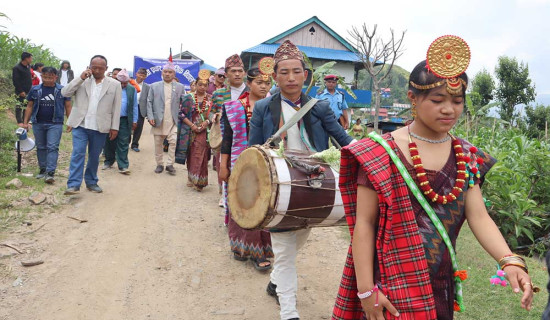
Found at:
<point>397,81</point>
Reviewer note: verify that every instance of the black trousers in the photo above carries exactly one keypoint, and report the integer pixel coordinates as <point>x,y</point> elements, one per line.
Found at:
<point>20,110</point>
<point>137,132</point>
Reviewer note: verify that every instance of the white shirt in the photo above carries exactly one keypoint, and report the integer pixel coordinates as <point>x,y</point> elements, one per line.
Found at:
<point>64,78</point>
<point>90,121</point>
<point>236,92</point>
<point>294,139</point>
<point>39,76</point>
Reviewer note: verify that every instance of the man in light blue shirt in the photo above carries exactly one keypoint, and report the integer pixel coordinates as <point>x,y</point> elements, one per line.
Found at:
<point>118,148</point>
<point>336,99</point>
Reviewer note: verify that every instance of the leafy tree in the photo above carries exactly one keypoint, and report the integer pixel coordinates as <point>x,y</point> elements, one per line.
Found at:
<point>483,86</point>
<point>3,15</point>
<point>537,119</point>
<point>514,86</point>
<point>12,46</point>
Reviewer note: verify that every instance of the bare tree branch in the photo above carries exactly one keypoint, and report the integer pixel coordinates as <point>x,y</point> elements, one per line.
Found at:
<point>375,53</point>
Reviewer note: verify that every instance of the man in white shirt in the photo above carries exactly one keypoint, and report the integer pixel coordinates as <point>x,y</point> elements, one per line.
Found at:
<point>95,114</point>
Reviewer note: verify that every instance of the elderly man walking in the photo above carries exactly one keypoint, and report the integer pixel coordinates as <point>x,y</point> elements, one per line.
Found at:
<point>163,104</point>
<point>117,149</point>
<point>95,114</point>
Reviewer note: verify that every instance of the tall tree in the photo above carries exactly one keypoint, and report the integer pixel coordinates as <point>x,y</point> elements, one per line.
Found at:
<point>375,53</point>
<point>483,86</point>
<point>514,86</point>
<point>537,119</point>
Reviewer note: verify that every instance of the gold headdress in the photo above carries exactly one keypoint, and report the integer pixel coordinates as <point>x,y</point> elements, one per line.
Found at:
<point>204,75</point>
<point>448,57</point>
<point>266,66</point>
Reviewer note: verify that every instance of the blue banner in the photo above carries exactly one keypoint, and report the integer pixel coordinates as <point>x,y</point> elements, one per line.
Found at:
<point>186,70</point>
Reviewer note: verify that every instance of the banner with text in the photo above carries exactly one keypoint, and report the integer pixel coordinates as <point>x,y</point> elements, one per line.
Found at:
<point>186,70</point>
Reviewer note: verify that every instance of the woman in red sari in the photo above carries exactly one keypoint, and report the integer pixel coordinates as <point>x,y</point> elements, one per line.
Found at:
<point>399,265</point>
<point>195,119</point>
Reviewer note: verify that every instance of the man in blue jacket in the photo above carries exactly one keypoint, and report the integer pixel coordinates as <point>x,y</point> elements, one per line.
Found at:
<point>309,134</point>
<point>45,110</point>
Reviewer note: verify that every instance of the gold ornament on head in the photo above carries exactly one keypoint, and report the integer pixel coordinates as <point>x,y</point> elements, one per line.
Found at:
<point>266,65</point>
<point>448,57</point>
<point>204,74</point>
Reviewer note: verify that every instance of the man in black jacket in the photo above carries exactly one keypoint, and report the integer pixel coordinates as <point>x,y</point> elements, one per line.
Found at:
<point>22,81</point>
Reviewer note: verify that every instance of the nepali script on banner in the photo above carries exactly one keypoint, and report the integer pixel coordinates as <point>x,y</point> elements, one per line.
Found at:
<point>186,70</point>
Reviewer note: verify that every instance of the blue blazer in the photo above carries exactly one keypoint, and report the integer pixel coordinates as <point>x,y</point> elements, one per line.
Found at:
<point>319,122</point>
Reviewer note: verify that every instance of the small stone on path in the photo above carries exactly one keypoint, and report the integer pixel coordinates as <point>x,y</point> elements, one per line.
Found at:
<point>236,311</point>
<point>18,282</point>
<point>37,197</point>
<point>14,184</point>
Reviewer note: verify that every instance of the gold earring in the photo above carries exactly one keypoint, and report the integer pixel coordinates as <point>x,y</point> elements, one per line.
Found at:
<point>413,110</point>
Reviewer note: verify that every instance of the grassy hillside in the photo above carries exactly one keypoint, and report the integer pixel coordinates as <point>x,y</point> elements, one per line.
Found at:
<point>397,81</point>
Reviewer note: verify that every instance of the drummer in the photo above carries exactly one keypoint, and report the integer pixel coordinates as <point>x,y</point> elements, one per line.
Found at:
<point>268,115</point>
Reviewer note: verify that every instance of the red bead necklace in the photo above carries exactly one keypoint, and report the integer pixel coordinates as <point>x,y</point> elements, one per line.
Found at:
<point>201,107</point>
<point>423,180</point>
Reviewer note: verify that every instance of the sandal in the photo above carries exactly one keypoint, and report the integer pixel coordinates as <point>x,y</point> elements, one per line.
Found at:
<point>238,257</point>
<point>259,267</point>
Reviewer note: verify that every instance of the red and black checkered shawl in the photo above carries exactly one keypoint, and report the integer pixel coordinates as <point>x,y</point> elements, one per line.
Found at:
<point>404,275</point>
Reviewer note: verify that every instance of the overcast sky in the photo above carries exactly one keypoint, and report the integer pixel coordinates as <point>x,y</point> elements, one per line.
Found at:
<point>213,30</point>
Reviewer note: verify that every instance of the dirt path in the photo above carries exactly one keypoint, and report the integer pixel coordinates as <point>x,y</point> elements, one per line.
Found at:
<point>153,249</point>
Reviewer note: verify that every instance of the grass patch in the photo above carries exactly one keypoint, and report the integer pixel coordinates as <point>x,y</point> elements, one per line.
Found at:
<point>8,160</point>
<point>485,302</point>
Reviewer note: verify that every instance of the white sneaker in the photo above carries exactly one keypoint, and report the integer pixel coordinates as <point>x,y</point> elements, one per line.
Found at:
<point>221,203</point>
<point>124,171</point>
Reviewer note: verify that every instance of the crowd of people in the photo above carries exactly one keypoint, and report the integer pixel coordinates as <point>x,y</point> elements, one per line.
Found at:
<point>401,262</point>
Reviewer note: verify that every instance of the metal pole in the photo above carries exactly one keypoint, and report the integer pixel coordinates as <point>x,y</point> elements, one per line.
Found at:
<point>18,155</point>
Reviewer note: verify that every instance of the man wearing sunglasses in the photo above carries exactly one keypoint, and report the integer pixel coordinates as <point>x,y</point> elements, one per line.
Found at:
<point>219,81</point>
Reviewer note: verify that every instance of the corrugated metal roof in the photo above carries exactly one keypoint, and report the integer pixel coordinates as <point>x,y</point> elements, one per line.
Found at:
<point>311,52</point>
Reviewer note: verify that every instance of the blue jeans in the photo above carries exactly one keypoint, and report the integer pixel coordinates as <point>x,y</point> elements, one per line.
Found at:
<point>93,140</point>
<point>47,136</point>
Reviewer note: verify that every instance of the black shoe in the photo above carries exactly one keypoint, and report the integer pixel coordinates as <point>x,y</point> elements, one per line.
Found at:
<point>49,178</point>
<point>94,188</point>
<point>41,174</point>
<point>159,169</point>
<point>171,170</point>
<point>294,319</point>
<point>272,290</point>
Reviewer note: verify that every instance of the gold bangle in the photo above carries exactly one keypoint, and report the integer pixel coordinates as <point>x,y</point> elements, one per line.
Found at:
<point>524,267</point>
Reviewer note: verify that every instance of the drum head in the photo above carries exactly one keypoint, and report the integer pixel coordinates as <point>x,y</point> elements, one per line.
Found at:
<point>249,189</point>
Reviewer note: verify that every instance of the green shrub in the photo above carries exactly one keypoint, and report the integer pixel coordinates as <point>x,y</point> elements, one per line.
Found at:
<point>8,162</point>
<point>517,186</point>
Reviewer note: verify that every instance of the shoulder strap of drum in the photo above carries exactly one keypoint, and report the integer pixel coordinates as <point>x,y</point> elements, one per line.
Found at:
<point>299,115</point>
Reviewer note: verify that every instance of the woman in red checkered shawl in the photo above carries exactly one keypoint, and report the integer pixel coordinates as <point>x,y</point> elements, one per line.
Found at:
<point>395,246</point>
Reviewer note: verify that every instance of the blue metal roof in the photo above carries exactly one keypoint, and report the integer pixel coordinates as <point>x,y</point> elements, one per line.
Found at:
<point>311,52</point>
<point>208,67</point>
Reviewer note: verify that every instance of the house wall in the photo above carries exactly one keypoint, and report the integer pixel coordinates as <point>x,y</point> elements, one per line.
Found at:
<point>320,39</point>
<point>346,70</point>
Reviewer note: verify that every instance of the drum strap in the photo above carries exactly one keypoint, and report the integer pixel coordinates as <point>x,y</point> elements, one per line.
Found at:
<point>299,115</point>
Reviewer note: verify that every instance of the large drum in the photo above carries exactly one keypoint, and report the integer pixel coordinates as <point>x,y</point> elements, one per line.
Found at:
<point>266,191</point>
